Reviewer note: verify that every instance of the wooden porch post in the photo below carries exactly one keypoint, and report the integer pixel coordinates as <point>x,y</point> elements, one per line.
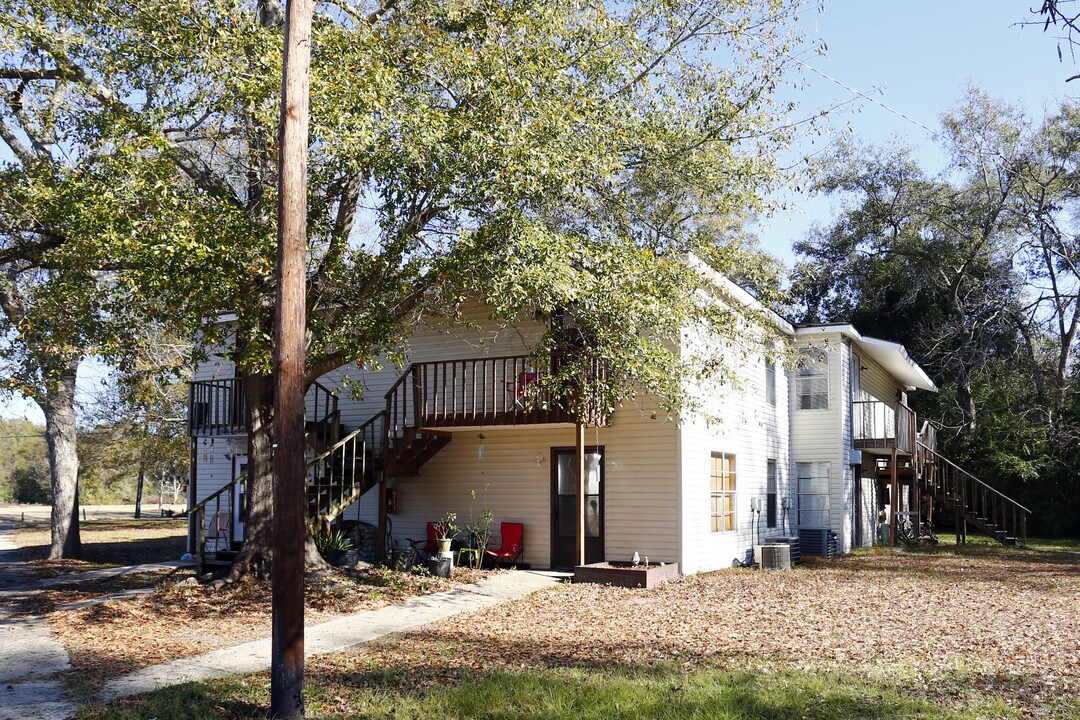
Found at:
<point>915,502</point>
<point>894,500</point>
<point>580,463</point>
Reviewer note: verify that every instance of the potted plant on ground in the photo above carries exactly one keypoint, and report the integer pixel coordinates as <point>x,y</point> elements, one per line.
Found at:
<point>444,533</point>
<point>333,545</point>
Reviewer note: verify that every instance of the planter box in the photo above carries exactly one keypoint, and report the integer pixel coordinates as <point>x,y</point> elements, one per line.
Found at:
<point>624,574</point>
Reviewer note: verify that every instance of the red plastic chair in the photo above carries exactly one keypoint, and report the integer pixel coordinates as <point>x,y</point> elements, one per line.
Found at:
<point>521,390</point>
<point>512,545</point>
<point>431,545</point>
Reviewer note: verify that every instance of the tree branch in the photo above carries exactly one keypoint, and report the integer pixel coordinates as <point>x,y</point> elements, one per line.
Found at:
<point>27,74</point>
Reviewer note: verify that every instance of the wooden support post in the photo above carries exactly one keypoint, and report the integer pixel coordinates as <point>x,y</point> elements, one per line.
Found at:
<point>380,532</point>
<point>580,464</point>
<point>290,510</point>
<point>894,501</point>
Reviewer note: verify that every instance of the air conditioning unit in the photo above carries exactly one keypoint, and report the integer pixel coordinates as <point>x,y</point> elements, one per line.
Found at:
<point>818,541</point>
<point>792,542</point>
<point>773,557</point>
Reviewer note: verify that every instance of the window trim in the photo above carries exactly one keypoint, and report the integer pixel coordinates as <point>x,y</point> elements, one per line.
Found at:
<point>728,518</point>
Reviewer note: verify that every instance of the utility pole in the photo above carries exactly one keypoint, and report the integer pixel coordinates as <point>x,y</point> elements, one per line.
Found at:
<point>290,516</point>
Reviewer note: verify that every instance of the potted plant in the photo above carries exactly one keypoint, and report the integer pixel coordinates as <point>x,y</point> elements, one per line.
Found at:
<point>333,545</point>
<point>479,532</point>
<point>444,533</point>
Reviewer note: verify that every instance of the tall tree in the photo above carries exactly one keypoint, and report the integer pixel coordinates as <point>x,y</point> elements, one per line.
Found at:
<point>540,156</point>
<point>927,261</point>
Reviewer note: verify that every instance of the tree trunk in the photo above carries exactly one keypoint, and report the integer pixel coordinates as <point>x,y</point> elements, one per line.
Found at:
<point>139,490</point>
<point>257,552</point>
<point>59,409</point>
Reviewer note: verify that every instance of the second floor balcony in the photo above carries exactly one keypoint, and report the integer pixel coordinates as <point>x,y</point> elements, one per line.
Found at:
<point>879,425</point>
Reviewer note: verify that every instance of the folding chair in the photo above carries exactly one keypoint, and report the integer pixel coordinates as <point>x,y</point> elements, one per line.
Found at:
<point>430,546</point>
<point>219,529</point>
<point>512,543</point>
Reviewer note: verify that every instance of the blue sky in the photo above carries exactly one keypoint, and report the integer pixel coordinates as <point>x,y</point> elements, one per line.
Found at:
<point>915,57</point>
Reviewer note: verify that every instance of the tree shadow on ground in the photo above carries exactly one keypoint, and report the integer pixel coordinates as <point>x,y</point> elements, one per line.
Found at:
<point>120,552</point>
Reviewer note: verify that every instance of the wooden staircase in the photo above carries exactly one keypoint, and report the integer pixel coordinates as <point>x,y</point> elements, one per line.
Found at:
<point>339,475</point>
<point>972,502</point>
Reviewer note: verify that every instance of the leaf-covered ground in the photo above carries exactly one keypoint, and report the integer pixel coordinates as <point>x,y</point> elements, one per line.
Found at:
<point>939,633</point>
<point>181,620</point>
<point>996,623</point>
<point>106,543</point>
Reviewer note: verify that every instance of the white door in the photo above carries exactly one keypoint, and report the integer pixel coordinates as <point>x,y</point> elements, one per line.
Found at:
<point>239,503</point>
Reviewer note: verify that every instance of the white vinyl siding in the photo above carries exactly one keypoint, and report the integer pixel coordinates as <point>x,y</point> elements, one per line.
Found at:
<point>514,479</point>
<point>770,382</point>
<point>732,417</point>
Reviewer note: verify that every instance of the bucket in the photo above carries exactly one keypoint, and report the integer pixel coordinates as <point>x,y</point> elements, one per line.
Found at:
<point>401,559</point>
<point>440,567</point>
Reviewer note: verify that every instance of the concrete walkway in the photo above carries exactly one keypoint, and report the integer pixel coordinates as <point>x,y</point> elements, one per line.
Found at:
<point>339,634</point>
<point>29,656</point>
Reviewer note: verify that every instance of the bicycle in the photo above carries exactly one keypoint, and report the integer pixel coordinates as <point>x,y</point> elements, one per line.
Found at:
<point>907,533</point>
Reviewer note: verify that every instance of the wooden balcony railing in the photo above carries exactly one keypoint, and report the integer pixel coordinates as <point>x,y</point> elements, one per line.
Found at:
<point>881,425</point>
<point>511,390</point>
<point>219,407</point>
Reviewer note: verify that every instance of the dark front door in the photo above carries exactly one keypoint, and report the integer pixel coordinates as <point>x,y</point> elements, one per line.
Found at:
<point>564,506</point>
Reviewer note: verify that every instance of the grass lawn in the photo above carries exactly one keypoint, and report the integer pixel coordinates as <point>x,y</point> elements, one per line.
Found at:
<point>106,543</point>
<point>947,632</point>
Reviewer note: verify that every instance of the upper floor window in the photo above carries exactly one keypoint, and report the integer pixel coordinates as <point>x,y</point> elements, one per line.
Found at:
<point>812,385</point>
<point>770,382</point>
<point>722,476</point>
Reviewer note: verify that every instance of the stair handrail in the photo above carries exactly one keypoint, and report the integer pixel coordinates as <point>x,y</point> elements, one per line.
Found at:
<point>331,404</point>
<point>991,488</point>
<point>198,514</point>
<point>337,501</point>
<point>343,441</point>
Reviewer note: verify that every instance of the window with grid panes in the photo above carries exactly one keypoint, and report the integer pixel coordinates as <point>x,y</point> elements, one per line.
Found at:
<point>770,494</point>
<point>812,386</point>
<point>770,382</point>
<point>813,481</point>
<point>723,492</point>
